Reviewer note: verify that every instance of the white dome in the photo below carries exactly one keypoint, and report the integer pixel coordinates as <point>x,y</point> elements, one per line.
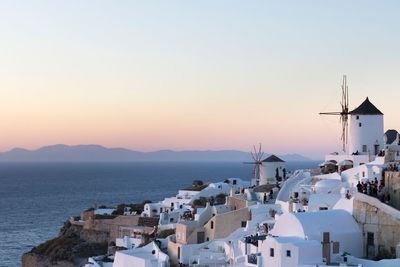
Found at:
<point>326,186</point>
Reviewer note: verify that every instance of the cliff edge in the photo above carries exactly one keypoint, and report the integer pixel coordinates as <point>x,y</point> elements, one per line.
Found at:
<point>70,248</point>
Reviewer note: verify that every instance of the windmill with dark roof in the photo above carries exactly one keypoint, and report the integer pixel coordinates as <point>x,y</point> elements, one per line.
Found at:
<point>266,171</point>
<point>257,156</point>
<point>366,129</point>
<point>366,126</point>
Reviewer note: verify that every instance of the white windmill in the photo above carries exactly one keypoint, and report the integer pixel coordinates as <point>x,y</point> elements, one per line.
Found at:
<point>257,156</point>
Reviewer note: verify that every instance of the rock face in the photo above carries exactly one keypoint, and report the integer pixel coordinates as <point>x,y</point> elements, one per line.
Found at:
<point>379,223</point>
<point>70,248</point>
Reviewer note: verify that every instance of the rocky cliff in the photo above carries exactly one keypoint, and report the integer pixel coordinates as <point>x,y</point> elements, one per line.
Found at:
<point>70,248</point>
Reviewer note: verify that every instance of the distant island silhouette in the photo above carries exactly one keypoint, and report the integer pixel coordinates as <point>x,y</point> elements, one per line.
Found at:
<point>98,153</point>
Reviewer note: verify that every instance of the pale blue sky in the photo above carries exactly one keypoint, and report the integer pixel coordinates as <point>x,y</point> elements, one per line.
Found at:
<point>193,75</point>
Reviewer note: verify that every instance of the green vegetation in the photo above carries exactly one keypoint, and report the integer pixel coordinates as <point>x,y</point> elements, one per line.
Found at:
<point>199,203</point>
<point>197,183</point>
<point>166,233</point>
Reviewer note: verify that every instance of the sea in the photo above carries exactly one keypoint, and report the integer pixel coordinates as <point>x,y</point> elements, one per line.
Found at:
<point>37,198</point>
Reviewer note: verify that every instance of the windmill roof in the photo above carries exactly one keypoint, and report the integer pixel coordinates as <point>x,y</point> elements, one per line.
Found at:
<point>273,158</point>
<point>366,108</point>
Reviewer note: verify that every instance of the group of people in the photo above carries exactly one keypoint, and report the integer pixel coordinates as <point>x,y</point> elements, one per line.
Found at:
<point>374,189</point>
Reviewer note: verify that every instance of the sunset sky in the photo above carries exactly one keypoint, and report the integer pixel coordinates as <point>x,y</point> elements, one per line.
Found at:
<point>150,75</point>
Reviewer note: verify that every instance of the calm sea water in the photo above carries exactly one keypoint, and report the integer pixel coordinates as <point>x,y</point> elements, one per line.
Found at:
<point>36,198</point>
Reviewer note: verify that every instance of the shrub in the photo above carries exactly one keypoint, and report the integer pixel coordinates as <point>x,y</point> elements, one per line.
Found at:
<point>165,233</point>
<point>197,183</point>
<point>200,202</point>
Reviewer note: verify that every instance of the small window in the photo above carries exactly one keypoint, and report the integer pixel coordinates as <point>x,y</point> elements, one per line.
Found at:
<point>212,225</point>
<point>154,211</point>
<point>336,247</point>
<point>288,253</point>
<point>358,117</point>
<point>234,182</point>
<point>370,239</point>
<point>363,174</point>
<point>244,223</point>
<point>360,124</point>
<point>364,148</point>
<point>271,252</point>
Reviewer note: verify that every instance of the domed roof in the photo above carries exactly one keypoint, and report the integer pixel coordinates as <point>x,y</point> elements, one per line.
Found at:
<point>328,185</point>
<point>391,136</point>
<point>366,108</point>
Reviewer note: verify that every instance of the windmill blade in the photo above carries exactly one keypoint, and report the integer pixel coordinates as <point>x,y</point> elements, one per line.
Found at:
<point>250,162</point>
<point>330,113</point>
<point>255,171</point>
<point>343,114</point>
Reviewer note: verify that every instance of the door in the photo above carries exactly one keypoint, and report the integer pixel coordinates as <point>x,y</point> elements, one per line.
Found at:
<point>200,237</point>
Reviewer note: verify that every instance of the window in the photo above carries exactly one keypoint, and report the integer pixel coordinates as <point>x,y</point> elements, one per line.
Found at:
<point>234,182</point>
<point>360,124</point>
<point>323,208</point>
<point>358,117</point>
<point>364,148</point>
<point>370,239</point>
<point>154,210</point>
<point>363,174</point>
<point>336,247</point>
<point>244,223</point>
<point>179,253</point>
<point>288,253</point>
<point>212,225</point>
<point>271,252</point>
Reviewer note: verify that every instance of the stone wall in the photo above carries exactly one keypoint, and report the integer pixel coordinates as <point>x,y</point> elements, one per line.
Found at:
<point>236,203</point>
<point>392,187</point>
<point>383,224</point>
<point>222,225</point>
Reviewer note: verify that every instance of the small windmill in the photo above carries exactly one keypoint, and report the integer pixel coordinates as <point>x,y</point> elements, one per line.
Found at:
<point>257,156</point>
<point>344,114</point>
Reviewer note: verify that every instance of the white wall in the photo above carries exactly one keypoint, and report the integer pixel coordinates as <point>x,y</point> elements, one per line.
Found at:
<point>370,133</point>
<point>308,252</point>
<point>268,172</point>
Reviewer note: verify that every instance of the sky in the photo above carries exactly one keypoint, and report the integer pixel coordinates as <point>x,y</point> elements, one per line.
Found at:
<point>150,75</point>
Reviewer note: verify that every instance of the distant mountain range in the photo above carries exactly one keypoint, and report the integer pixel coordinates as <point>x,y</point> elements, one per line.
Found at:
<point>97,153</point>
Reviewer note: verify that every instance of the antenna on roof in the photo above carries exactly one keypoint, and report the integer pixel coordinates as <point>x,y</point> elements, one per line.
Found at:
<point>344,114</point>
